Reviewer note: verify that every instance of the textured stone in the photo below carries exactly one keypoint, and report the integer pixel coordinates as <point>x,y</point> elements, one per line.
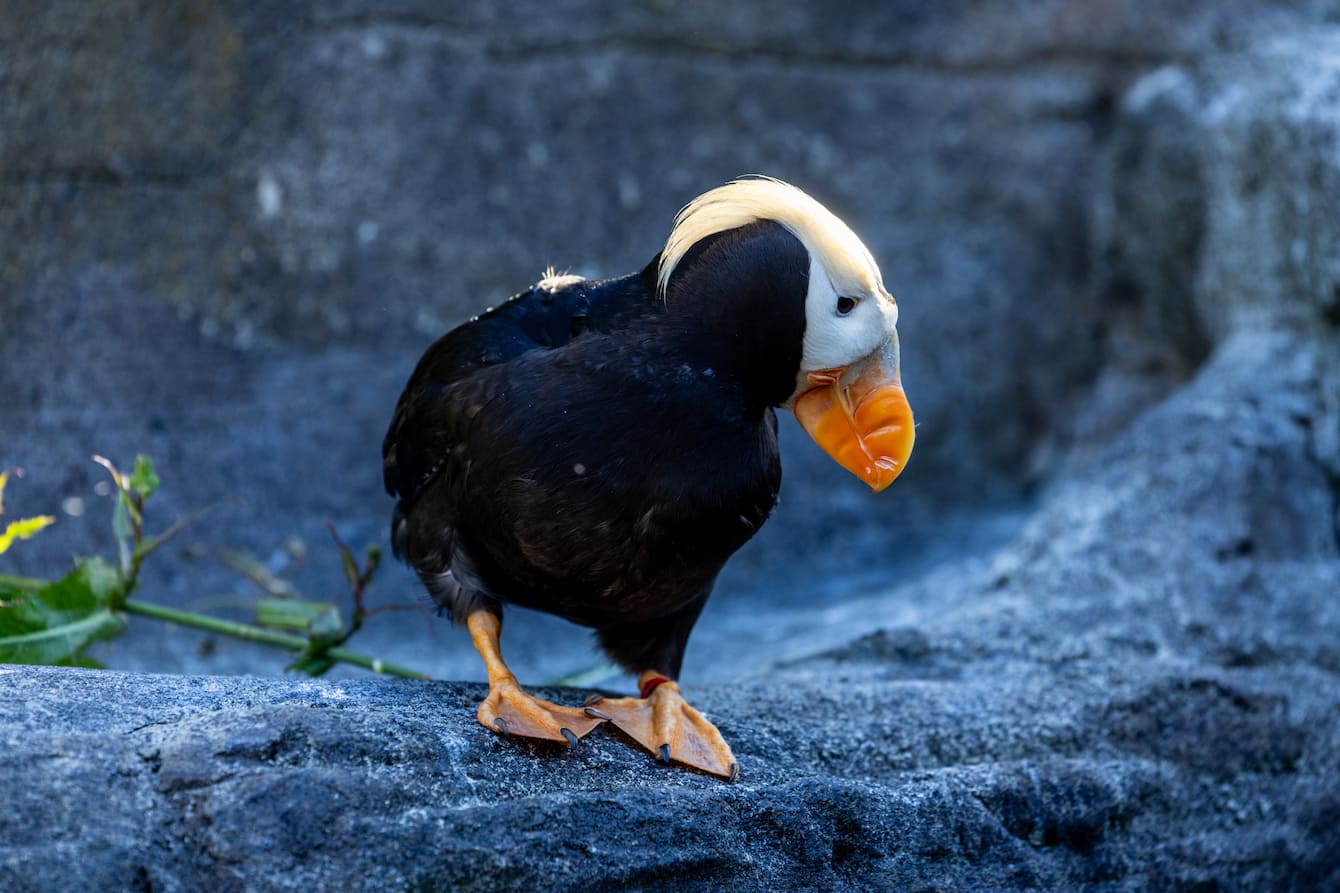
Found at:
<point>1117,304</point>
<point>1217,216</point>
<point>1231,164</point>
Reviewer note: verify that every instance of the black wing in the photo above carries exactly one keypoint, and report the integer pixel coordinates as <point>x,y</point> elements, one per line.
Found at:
<point>425,426</point>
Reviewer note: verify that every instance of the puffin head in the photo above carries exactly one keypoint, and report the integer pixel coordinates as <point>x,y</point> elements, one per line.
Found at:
<point>847,393</point>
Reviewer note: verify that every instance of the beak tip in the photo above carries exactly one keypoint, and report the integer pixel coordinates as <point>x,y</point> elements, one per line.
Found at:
<point>869,432</point>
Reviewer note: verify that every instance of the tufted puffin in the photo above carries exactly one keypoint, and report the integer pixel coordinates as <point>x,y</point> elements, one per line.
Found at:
<point>598,449</point>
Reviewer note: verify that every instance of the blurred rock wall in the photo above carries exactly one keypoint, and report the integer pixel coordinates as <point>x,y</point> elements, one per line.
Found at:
<point>228,229</point>
<point>364,175</point>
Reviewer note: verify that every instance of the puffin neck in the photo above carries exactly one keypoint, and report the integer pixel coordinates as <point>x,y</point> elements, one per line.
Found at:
<point>736,303</point>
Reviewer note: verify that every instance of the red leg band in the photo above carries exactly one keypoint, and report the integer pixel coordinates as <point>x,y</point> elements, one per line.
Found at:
<point>650,685</point>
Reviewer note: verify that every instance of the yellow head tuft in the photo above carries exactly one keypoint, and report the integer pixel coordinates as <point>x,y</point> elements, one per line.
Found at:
<point>831,242</point>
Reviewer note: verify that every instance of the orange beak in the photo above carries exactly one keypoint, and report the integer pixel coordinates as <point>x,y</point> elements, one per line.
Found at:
<point>860,416</point>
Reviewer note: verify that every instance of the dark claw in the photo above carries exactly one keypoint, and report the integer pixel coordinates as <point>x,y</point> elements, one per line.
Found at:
<point>592,699</point>
<point>591,711</point>
<point>665,753</point>
<point>572,739</point>
<point>734,771</point>
<point>501,725</point>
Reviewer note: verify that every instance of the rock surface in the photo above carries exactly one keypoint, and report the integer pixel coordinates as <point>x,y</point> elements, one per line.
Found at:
<point>1094,637</point>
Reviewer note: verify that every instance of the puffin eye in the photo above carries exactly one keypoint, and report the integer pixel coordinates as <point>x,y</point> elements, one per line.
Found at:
<point>845,305</point>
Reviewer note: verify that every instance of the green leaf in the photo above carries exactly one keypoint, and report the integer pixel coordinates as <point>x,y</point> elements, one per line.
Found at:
<point>143,481</point>
<point>60,645</point>
<point>327,627</point>
<point>23,529</point>
<point>374,561</point>
<point>54,624</point>
<point>319,619</point>
<point>312,665</point>
<point>122,512</point>
<point>121,529</point>
<point>350,566</point>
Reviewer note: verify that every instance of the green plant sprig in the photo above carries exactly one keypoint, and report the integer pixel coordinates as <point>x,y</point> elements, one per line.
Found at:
<point>54,622</point>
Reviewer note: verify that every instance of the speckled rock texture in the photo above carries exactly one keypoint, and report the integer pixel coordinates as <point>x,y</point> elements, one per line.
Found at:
<point>1091,639</point>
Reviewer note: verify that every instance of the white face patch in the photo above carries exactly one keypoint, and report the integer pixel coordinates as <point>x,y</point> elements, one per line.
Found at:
<point>833,339</point>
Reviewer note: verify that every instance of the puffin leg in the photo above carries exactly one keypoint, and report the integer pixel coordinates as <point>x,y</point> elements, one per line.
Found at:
<point>508,709</point>
<point>664,723</point>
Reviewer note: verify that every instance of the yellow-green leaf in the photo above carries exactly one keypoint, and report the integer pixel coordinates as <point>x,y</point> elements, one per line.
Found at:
<point>22,530</point>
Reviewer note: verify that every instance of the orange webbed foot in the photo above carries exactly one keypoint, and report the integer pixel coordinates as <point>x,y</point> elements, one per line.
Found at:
<point>665,724</point>
<point>510,710</point>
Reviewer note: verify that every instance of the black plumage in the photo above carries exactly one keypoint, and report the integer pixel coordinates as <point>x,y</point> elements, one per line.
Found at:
<point>598,451</point>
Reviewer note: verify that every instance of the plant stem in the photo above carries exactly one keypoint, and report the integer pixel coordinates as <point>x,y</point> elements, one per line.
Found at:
<point>264,636</point>
<point>24,583</point>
